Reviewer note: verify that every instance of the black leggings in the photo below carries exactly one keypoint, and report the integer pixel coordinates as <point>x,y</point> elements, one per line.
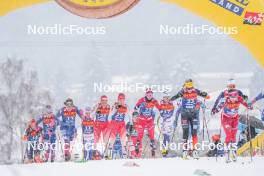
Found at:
<point>189,119</point>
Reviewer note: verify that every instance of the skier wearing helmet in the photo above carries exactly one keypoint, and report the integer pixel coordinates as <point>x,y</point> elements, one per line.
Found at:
<point>132,135</point>
<point>117,124</point>
<point>102,111</point>
<point>166,113</point>
<point>189,118</point>
<point>66,116</point>
<point>49,124</point>
<point>87,134</point>
<point>230,101</point>
<point>145,107</point>
<point>33,136</point>
<point>257,98</point>
<point>231,87</point>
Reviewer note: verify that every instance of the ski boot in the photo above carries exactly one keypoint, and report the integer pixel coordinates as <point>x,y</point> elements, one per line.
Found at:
<point>67,157</point>
<point>109,155</point>
<point>38,159</point>
<point>137,147</point>
<point>185,155</point>
<point>231,155</point>
<point>52,158</point>
<point>228,159</point>
<point>185,151</point>
<point>164,153</point>
<point>153,148</point>
<point>195,154</point>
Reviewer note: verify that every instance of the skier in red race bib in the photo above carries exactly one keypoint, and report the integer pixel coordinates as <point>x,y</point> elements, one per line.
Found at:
<point>229,102</point>
<point>102,111</point>
<point>145,107</point>
<point>117,124</point>
<point>132,135</point>
<point>33,136</point>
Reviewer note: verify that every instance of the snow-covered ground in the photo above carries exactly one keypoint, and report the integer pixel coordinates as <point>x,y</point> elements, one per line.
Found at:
<point>147,167</point>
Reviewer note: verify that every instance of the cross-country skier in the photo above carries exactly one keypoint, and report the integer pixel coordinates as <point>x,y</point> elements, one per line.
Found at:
<point>219,148</point>
<point>230,101</point>
<point>231,87</point>
<point>166,114</point>
<point>33,136</point>
<point>117,151</point>
<point>132,135</point>
<point>49,123</point>
<point>117,125</point>
<point>257,98</point>
<point>102,111</point>
<point>67,116</point>
<point>199,105</point>
<point>145,107</point>
<point>189,118</point>
<point>87,134</point>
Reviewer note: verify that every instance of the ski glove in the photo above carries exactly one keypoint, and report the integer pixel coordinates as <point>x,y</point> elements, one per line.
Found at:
<point>214,111</point>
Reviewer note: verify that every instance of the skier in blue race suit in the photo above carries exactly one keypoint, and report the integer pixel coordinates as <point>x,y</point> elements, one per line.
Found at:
<point>66,118</point>
<point>189,96</point>
<point>166,113</point>
<point>49,123</point>
<point>88,134</point>
<point>33,136</point>
<point>257,98</point>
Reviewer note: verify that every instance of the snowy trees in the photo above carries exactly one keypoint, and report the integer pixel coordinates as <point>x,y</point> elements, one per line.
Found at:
<point>95,71</point>
<point>175,73</point>
<point>20,100</point>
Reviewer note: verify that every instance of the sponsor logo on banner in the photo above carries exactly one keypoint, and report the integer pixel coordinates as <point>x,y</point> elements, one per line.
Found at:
<point>97,8</point>
<point>229,6</point>
<point>253,18</point>
<point>243,2</point>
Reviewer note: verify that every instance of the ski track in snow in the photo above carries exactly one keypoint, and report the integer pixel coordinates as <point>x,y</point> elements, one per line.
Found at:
<point>148,167</point>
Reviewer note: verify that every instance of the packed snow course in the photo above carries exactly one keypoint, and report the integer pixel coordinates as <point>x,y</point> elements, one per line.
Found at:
<point>141,167</point>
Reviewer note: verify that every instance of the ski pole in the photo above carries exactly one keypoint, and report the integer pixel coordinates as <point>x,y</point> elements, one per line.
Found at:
<point>145,146</point>
<point>83,149</point>
<point>25,154</point>
<point>61,145</point>
<point>250,142</point>
<point>203,128</point>
<point>108,140</point>
<point>220,131</point>
<point>160,130</point>
<point>72,147</point>
<point>172,137</point>
<point>206,122</point>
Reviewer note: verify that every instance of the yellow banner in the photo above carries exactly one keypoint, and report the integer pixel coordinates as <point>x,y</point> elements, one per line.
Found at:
<point>226,13</point>
<point>9,5</point>
<point>95,3</point>
<point>222,14</point>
